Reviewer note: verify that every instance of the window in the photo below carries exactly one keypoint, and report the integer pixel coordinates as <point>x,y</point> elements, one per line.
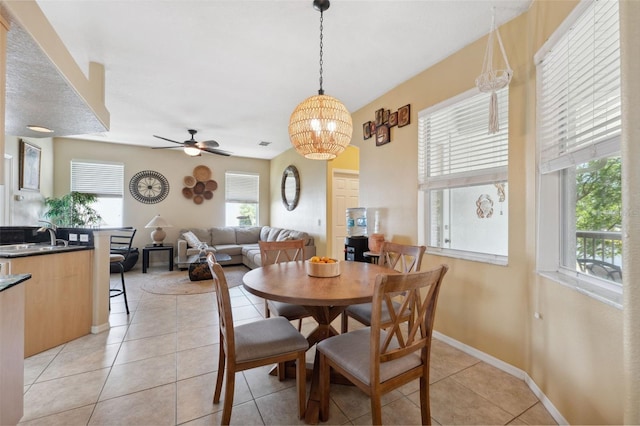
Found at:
<point>579,124</point>
<point>242,193</point>
<point>106,180</point>
<point>463,178</point>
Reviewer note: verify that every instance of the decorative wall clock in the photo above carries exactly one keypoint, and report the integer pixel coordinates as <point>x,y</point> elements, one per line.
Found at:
<point>149,187</point>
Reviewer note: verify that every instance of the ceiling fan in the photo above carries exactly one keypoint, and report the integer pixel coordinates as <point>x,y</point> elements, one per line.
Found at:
<point>193,147</point>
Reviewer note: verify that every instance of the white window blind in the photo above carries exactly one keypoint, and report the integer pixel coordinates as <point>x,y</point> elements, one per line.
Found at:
<point>102,179</point>
<point>455,146</point>
<point>579,88</point>
<point>242,187</point>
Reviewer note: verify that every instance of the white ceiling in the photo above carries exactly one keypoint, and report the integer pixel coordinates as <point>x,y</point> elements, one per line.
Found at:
<point>234,70</point>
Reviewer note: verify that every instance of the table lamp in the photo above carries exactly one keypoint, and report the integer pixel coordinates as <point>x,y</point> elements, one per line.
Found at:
<point>158,235</point>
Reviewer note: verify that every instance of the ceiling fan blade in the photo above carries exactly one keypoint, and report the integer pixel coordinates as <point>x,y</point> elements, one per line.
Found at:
<point>169,140</point>
<point>216,151</point>
<point>165,147</point>
<point>208,144</point>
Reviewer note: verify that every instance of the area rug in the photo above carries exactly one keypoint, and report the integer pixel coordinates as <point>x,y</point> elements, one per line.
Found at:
<point>177,282</point>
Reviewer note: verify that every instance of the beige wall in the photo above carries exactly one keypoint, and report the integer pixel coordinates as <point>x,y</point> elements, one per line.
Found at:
<point>174,165</point>
<point>574,352</point>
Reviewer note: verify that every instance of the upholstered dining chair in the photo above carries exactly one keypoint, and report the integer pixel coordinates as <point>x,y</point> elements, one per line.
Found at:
<point>272,252</point>
<point>119,251</point>
<point>251,345</point>
<point>380,358</point>
<point>401,257</point>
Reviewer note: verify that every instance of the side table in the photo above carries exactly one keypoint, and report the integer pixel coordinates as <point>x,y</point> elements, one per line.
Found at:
<point>149,248</point>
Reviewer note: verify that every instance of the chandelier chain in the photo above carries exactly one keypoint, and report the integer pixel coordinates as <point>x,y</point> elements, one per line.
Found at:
<point>321,91</point>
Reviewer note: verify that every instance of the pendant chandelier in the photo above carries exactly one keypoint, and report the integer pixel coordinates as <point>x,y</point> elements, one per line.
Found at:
<point>320,128</point>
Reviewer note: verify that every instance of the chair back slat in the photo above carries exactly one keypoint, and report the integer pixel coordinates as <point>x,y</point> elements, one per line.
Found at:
<point>223,301</point>
<point>122,242</point>
<point>272,252</point>
<point>419,293</point>
<point>401,257</point>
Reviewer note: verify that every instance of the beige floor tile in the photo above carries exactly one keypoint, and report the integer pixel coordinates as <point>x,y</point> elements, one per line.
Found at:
<point>452,403</point>
<point>504,390</point>
<point>58,395</point>
<point>240,300</point>
<point>246,312</point>
<point>245,414</point>
<point>196,302</point>
<point>192,338</point>
<point>34,366</point>
<point>537,415</point>
<point>195,396</point>
<point>117,319</point>
<point>280,407</point>
<point>94,341</point>
<point>354,403</point>
<point>163,325</point>
<point>149,407</point>
<point>262,383</point>
<point>135,350</point>
<point>76,416</point>
<point>74,362</point>
<point>198,361</point>
<point>447,360</point>
<point>194,319</point>
<point>155,315</point>
<point>140,375</point>
<point>399,412</point>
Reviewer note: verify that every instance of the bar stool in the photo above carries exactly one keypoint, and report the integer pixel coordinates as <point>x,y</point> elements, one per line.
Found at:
<point>119,251</point>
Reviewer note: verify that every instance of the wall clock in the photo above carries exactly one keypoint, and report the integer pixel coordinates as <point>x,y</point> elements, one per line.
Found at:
<point>149,187</point>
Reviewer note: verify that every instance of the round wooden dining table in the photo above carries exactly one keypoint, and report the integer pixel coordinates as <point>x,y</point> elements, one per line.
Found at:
<point>324,298</point>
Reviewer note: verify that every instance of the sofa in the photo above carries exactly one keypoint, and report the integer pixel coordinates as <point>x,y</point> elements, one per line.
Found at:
<point>239,242</point>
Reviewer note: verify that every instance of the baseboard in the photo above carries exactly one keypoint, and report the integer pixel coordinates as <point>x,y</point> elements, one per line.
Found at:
<point>507,368</point>
<point>95,329</point>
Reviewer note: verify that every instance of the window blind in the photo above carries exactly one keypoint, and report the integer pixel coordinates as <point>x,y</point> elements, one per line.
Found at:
<point>579,117</point>
<point>455,147</point>
<point>102,179</point>
<point>242,187</point>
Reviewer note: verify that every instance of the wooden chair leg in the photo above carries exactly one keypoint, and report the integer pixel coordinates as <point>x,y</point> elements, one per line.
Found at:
<point>376,410</point>
<point>282,371</point>
<point>425,404</point>
<point>300,325</point>
<point>345,323</point>
<point>325,383</point>
<point>301,380</point>
<point>220,376</point>
<point>229,388</point>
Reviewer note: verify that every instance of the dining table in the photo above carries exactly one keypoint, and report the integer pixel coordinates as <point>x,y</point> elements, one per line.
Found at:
<point>325,298</point>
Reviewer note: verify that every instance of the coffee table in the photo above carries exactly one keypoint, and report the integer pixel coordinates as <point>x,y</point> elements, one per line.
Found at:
<point>198,268</point>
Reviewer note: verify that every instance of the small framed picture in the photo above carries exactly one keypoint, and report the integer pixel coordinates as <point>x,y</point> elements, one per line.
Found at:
<point>404,115</point>
<point>385,116</point>
<point>382,135</point>
<point>379,117</point>
<point>29,166</point>
<point>366,130</point>
<point>373,127</point>
<point>393,119</point>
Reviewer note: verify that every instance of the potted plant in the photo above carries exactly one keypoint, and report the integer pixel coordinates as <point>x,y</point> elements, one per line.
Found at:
<point>72,210</point>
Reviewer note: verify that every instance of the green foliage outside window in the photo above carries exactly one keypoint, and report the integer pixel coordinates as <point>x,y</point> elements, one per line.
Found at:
<point>72,210</point>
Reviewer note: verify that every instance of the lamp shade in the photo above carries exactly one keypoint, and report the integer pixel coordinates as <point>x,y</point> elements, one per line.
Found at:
<point>320,128</point>
<point>158,222</point>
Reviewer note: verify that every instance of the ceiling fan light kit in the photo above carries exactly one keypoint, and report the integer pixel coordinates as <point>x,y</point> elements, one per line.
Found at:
<point>320,128</point>
<point>194,148</point>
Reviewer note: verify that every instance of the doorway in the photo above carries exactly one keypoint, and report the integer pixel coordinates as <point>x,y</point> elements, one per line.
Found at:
<point>346,186</point>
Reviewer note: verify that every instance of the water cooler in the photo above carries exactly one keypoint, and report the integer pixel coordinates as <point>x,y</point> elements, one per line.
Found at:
<point>356,242</point>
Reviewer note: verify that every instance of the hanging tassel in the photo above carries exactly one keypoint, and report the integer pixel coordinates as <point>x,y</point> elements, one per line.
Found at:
<point>494,123</point>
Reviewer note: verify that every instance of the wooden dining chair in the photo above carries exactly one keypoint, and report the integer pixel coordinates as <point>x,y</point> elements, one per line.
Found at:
<point>268,341</point>
<point>380,358</point>
<point>272,252</point>
<point>400,257</point>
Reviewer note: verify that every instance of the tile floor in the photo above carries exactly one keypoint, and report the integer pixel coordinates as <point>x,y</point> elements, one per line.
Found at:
<point>157,367</point>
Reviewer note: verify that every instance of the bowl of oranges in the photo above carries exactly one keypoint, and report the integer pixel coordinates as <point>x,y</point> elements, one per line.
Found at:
<point>322,267</point>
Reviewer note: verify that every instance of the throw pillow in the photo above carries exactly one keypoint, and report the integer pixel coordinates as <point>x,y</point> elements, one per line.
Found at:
<point>192,240</point>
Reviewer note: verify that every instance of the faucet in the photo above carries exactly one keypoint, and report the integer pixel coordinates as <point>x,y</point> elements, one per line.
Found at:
<point>51,228</point>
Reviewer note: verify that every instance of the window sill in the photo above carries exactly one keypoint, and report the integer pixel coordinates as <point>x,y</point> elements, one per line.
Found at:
<point>600,290</point>
<point>467,255</point>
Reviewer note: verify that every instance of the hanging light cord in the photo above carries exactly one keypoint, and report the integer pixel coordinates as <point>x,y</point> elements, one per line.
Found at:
<point>321,91</point>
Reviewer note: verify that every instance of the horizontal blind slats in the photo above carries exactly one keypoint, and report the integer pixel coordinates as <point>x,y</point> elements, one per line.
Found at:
<point>242,187</point>
<point>102,179</point>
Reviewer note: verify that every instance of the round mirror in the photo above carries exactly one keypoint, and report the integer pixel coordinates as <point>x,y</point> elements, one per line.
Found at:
<point>290,187</point>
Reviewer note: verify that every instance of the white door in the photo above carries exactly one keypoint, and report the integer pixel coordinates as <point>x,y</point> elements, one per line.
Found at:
<point>345,195</point>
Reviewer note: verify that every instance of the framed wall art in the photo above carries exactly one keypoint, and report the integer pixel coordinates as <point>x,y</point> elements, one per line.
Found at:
<point>404,115</point>
<point>382,135</point>
<point>29,166</point>
<point>393,119</point>
<point>379,117</point>
<point>366,130</point>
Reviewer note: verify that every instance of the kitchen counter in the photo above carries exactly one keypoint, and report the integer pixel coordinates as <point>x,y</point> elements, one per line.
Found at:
<point>8,281</point>
<point>31,249</point>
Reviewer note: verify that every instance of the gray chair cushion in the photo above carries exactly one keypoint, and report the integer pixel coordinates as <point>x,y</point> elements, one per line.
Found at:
<point>351,351</point>
<point>288,310</point>
<point>268,337</point>
<point>362,312</point>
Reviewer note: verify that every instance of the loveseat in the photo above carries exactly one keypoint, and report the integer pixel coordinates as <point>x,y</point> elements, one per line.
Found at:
<point>239,242</point>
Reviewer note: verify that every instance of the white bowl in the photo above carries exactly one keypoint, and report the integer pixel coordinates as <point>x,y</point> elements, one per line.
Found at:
<point>322,270</point>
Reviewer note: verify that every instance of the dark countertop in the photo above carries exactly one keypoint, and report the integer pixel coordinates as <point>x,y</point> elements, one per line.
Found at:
<point>8,281</point>
<point>37,250</point>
